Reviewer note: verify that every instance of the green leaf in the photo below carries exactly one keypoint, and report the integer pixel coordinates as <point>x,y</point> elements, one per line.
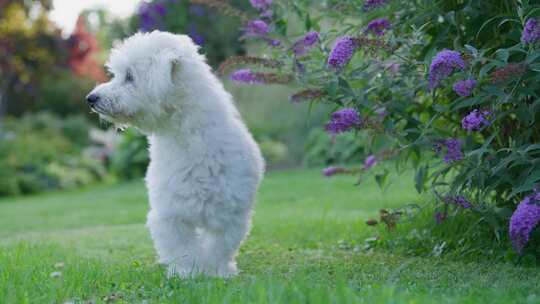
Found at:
<point>308,24</point>
<point>468,102</point>
<point>486,69</point>
<point>420,178</point>
<point>382,179</point>
<point>345,86</point>
<point>535,67</point>
<point>281,26</point>
<point>502,55</point>
<point>472,49</point>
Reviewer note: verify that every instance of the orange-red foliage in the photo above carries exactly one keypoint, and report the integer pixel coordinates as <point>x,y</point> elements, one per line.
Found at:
<point>82,53</point>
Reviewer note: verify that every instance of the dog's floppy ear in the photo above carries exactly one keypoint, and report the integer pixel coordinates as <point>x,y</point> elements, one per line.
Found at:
<point>170,60</point>
<point>175,65</point>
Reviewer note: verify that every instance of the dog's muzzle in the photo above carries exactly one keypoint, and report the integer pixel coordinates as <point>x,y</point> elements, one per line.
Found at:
<point>92,99</point>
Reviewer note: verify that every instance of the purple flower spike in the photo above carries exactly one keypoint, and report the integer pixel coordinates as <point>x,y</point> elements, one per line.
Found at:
<point>343,121</point>
<point>369,162</point>
<point>261,4</point>
<point>256,28</point>
<point>151,15</point>
<point>332,171</point>
<point>302,46</point>
<point>273,42</point>
<point>443,65</point>
<point>392,68</point>
<point>245,76</point>
<point>342,52</point>
<point>531,31</point>
<point>523,221</point>
<point>371,4</point>
<point>311,38</point>
<point>267,14</point>
<point>464,87</point>
<point>453,147</point>
<point>378,26</point>
<point>160,9</point>
<point>475,120</point>
<point>459,201</point>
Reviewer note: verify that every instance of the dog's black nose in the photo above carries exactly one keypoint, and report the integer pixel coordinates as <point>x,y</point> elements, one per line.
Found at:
<point>92,99</point>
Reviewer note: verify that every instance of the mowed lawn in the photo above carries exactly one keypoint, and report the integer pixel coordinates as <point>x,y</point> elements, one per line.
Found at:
<point>91,246</point>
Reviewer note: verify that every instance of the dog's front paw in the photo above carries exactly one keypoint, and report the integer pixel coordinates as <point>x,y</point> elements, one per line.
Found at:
<point>228,270</point>
<point>224,271</point>
<point>178,271</point>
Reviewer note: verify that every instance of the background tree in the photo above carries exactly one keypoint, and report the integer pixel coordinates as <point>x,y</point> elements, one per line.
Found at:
<point>217,34</point>
<point>30,45</point>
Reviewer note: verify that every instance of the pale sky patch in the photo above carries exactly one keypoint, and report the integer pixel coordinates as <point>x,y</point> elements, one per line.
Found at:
<point>65,12</point>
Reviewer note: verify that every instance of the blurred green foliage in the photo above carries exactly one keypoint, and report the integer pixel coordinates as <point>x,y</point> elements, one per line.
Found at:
<point>216,33</point>
<point>322,149</point>
<point>130,158</point>
<point>41,152</point>
<point>271,117</point>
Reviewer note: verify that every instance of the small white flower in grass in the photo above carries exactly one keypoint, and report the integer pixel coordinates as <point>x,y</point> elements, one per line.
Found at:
<point>55,274</point>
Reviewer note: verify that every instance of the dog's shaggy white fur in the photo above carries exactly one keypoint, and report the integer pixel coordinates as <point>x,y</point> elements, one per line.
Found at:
<point>205,167</point>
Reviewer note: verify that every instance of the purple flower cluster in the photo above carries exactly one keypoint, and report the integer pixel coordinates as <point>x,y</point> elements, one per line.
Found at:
<point>245,76</point>
<point>453,149</point>
<point>267,14</point>
<point>261,4</point>
<point>256,28</point>
<point>475,120</point>
<point>302,46</point>
<point>151,14</point>
<point>464,87</point>
<point>342,52</point>
<point>259,29</point>
<point>378,26</point>
<point>371,4</point>
<point>523,221</point>
<point>392,68</point>
<point>369,162</point>
<point>264,7</point>
<point>459,201</point>
<point>443,65</point>
<point>531,31</point>
<point>332,171</point>
<point>194,34</point>
<point>343,121</point>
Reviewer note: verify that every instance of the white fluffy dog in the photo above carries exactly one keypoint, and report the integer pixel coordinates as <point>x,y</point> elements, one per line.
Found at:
<point>205,167</point>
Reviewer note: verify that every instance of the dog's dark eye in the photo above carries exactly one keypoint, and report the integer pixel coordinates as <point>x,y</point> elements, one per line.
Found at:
<point>129,77</point>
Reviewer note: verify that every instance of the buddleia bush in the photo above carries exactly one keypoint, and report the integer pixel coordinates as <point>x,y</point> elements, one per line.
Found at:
<point>450,87</point>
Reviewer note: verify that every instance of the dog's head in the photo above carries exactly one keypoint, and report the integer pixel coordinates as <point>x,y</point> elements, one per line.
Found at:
<point>148,79</point>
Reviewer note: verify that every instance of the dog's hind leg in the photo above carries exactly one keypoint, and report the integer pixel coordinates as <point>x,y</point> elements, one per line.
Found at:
<point>177,244</point>
<point>222,245</point>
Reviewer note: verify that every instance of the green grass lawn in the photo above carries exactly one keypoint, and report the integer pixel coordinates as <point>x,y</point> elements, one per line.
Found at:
<point>91,246</point>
